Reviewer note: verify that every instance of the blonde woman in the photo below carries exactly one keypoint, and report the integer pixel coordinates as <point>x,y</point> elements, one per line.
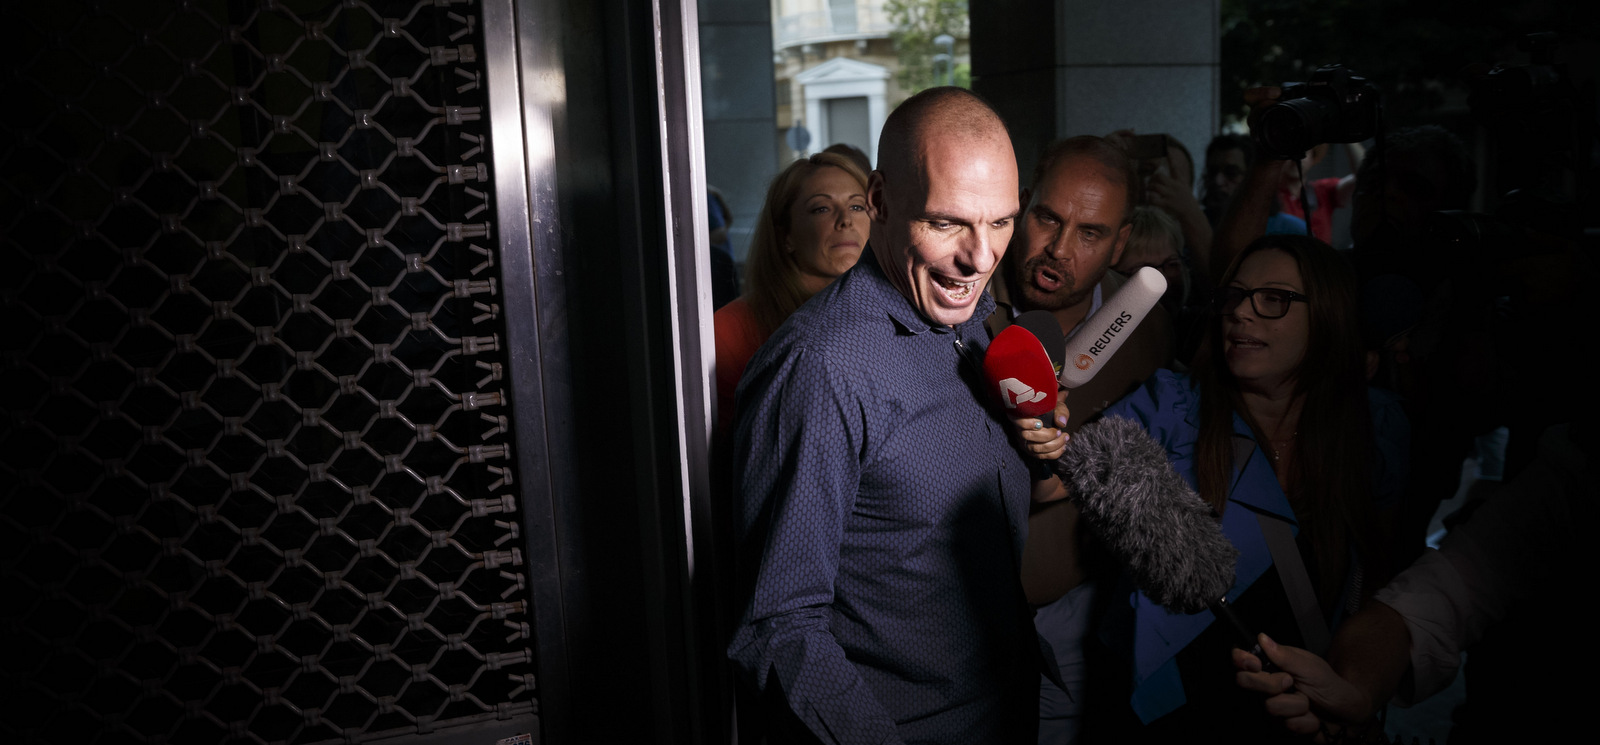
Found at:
<point>811,229</point>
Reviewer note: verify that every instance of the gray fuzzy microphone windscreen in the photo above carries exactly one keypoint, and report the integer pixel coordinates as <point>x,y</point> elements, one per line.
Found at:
<point>1147,515</point>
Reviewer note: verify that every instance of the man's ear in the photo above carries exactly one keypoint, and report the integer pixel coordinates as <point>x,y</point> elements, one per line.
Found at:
<point>1122,243</point>
<point>877,201</point>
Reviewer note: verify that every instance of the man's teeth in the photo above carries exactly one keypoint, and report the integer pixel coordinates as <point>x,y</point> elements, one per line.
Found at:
<point>956,290</point>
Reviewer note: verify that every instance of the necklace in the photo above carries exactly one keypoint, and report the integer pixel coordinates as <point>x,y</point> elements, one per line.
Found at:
<point>1279,445</point>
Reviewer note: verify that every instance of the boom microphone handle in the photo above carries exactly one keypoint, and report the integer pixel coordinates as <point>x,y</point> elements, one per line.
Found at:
<point>1246,639</point>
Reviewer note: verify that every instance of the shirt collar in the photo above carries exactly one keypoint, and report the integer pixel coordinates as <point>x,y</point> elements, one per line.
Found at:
<point>1002,294</point>
<point>1094,306</point>
<point>900,309</point>
<point>1263,494</point>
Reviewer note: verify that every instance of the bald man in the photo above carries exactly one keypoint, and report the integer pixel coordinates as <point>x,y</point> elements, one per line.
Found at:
<point>884,508</point>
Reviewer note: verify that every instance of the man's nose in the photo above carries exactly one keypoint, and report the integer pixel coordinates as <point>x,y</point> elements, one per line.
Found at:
<point>1060,247</point>
<point>982,250</point>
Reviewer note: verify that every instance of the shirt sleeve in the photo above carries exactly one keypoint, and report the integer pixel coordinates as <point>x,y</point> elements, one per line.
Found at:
<point>1160,406</point>
<point>1281,224</point>
<point>1432,599</point>
<point>1450,597</point>
<point>737,341</point>
<point>798,449</point>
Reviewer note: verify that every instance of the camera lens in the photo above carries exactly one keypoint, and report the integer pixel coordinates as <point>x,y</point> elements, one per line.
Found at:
<point>1289,128</point>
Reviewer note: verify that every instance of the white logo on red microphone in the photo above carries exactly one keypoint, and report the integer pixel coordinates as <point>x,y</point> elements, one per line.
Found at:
<point>1014,392</point>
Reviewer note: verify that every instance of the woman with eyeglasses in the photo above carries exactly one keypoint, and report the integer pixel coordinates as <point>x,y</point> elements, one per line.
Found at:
<point>1275,428</point>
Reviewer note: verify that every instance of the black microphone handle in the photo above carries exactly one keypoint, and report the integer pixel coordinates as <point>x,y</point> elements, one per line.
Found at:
<point>1248,640</point>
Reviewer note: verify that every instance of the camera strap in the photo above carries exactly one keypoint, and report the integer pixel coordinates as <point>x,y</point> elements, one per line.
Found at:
<point>1296,583</point>
<point>1280,541</point>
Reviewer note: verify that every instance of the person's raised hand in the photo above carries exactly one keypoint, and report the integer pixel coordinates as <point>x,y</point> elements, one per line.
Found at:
<point>1306,693</point>
<point>1046,440</point>
<point>1258,99</point>
<point>1283,701</point>
<point>1166,192</point>
<point>1122,138</point>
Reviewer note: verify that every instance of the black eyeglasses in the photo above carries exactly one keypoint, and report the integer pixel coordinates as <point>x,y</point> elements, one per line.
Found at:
<point>1268,302</point>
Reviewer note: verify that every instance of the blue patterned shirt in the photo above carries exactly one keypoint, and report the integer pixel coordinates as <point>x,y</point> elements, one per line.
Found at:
<point>882,515</point>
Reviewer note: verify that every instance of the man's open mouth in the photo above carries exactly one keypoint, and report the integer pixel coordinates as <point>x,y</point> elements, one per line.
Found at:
<point>1047,279</point>
<point>957,290</point>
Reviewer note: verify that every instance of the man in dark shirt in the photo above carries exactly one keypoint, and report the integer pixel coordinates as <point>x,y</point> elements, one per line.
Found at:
<point>883,506</point>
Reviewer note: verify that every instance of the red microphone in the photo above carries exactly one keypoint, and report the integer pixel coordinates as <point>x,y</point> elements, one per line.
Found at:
<point>1019,371</point>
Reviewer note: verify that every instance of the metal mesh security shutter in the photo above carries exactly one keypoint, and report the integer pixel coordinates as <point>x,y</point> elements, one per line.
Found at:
<point>255,469</point>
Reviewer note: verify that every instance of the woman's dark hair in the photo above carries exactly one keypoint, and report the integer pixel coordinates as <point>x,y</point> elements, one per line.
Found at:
<point>1330,479</point>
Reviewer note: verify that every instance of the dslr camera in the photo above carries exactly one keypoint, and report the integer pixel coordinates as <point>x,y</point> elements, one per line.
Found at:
<point>1334,105</point>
